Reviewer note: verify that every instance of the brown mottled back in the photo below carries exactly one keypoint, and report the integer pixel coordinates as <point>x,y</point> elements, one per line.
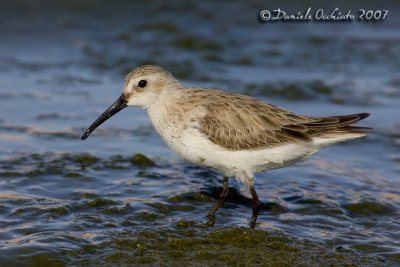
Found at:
<point>238,122</point>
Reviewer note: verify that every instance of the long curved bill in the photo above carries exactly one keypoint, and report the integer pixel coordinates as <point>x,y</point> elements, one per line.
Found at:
<point>118,105</point>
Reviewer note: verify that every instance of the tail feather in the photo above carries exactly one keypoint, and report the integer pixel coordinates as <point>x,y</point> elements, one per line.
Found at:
<point>338,125</point>
<point>336,121</point>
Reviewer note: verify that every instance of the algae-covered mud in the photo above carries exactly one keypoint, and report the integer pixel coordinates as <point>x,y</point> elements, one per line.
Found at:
<point>123,198</point>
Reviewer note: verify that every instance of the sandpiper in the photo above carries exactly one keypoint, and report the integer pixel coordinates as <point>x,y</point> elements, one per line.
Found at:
<point>236,134</point>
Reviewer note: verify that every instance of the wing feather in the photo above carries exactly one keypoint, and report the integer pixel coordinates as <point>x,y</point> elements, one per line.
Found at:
<point>241,122</point>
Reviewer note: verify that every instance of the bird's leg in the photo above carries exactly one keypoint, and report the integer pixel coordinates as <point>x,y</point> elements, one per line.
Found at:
<point>222,196</point>
<point>255,205</point>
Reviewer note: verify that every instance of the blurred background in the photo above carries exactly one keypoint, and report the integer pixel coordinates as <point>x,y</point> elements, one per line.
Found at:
<point>123,197</point>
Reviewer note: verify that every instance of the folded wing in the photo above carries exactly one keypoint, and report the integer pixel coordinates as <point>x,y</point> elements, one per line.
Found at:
<point>240,122</point>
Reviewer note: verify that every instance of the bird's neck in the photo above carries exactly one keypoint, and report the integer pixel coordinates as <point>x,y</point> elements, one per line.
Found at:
<point>163,104</point>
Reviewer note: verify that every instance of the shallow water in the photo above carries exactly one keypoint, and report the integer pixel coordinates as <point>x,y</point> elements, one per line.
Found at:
<point>68,202</point>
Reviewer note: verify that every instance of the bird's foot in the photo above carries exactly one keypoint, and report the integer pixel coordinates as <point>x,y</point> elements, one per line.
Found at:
<point>211,219</point>
<point>220,202</point>
<point>253,221</point>
<point>256,205</point>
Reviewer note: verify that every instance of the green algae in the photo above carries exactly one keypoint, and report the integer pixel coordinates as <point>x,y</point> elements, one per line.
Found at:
<point>244,61</point>
<point>365,247</point>
<point>146,174</point>
<point>290,91</point>
<point>395,257</point>
<point>213,58</point>
<point>166,208</point>
<point>294,91</point>
<point>190,197</point>
<point>141,160</point>
<point>100,202</point>
<point>117,210</point>
<point>73,174</point>
<point>217,247</point>
<point>115,162</point>
<point>186,223</point>
<point>62,210</point>
<point>148,216</point>
<point>46,259</point>
<point>196,43</point>
<point>321,88</point>
<point>68,165</point>
<point>11,174</point>
<point>369,208</point>
<point>165,27</point>
<point>147,62</point>
<point>86,194</point>
<point>86,159</point>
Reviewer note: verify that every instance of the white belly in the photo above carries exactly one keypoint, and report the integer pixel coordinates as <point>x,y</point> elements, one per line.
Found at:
<point>195,147</point>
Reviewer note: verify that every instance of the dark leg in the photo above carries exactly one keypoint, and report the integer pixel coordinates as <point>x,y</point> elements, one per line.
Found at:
<point>222,196</point>
<point>256,207</point>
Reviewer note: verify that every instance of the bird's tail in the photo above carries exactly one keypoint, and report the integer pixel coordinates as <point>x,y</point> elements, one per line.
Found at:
<point>338,128</point>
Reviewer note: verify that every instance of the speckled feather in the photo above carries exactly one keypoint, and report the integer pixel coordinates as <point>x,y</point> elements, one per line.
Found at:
<point>238,122</point>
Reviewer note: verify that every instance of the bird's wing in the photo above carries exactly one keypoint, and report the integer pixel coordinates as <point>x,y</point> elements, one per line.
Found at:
<point>238,122</point>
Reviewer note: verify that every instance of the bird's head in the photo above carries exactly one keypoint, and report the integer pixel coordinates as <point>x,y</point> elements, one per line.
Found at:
<point>143,87</point>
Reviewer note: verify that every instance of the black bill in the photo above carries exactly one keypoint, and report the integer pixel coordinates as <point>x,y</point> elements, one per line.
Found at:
<point>118,105</point>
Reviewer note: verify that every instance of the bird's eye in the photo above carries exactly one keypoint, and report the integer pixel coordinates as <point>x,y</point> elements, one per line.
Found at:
<point>142,83</point>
